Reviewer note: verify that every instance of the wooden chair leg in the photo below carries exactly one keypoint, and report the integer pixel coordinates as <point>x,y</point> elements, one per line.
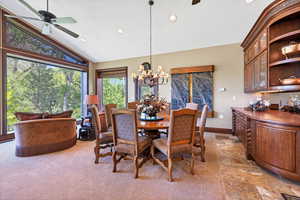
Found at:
<point>114,158</point>
<point>202,146</point>
<point>152,150</point>
<point>170,168</point>
<point>97,149</point>
<point>192,163</point>
<point>136,166</point>
<point>97,154</point>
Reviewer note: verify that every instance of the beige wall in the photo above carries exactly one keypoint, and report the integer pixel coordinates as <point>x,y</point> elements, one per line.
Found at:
<point>228,61</point>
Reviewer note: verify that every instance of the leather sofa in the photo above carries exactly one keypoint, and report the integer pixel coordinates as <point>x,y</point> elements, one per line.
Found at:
<point>41,136</point>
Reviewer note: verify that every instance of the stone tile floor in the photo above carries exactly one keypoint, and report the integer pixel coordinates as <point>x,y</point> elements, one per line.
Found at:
<point>243,179</point>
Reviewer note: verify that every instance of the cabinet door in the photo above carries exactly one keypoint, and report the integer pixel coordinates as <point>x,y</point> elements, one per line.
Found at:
<point>248,77</point>
<point>276,146</point>
<point>263,40</point>
<point>263,80</point>
<point>256,73</point>
<point>256,48</point>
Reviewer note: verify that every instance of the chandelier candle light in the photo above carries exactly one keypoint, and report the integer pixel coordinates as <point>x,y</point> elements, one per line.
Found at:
<point>145,73</point>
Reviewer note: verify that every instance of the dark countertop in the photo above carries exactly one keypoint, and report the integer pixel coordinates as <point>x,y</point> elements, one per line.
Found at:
<point>272,116</point>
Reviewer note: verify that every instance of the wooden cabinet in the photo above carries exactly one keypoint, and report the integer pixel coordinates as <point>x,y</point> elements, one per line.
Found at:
<point>265,64</point>
<point>276,146</point>
<point>271,139</point>
<point>256,74</point>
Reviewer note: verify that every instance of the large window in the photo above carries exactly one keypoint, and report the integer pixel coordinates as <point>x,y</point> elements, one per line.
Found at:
<point>18,37</point>
<point>39,87</point>
<point>112,87</point>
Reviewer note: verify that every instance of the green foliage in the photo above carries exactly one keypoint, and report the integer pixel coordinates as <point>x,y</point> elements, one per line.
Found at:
<point>36,87</point>
<point>114,91</point>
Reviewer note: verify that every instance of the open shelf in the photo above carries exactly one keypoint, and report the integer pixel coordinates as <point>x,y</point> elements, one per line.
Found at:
<point>282,62</point>
<point>289,35</point>
<point>285,88</point>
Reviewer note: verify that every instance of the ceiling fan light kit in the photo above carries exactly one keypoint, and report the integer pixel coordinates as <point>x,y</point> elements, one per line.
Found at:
<point>48,18</point>
<point>47,30</point>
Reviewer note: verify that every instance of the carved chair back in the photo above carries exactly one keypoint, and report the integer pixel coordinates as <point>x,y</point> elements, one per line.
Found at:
<point>203,118</point>
<point>108,108</point>
<point>192,106</point>
<point>182,127</point>
<point>132,105</point>
<point>124,126</point>
<point>96,119</point>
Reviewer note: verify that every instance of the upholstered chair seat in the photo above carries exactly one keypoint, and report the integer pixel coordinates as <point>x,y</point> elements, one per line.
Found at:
<point>144,143</point>
<point>106,137</point>
<point>162,145</point>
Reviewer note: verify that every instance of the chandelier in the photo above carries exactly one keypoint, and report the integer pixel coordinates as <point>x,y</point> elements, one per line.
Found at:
<point>145,73</point>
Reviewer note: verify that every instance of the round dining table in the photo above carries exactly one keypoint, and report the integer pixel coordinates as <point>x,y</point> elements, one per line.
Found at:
<point>156,125</point>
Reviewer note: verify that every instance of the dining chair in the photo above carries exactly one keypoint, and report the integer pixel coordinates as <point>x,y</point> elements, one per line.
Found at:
<point>200,140</point>
<point>180,139</point>
<point>103,139</point>
<point>192,106</point>
<point>108,108</point>
<point>165,112</point>
<point>127,141</point>
<point>132,105</point>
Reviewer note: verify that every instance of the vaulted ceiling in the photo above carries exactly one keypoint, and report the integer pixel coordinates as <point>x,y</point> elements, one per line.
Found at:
<point>210,23</point>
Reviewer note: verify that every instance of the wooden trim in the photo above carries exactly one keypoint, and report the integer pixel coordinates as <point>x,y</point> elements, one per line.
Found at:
<point>211,114</point>
<point>218,130</point>
<point>43,58</point>
<point>112,69</point>
<point>4,99</point>
<point>185,70</point>
<point>266,18</point>
<point>2,77</point>
<point>45,37</point>
<point>7,138</point>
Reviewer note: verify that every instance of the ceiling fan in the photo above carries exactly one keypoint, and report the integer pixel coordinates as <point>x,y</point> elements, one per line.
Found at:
<point>48,19</point>
<point>196,2</point>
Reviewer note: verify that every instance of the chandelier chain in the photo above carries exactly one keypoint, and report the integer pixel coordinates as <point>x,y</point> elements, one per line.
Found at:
<point>150,3</point>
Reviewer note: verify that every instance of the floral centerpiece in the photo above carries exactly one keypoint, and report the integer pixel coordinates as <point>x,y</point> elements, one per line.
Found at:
<point>150,105</point>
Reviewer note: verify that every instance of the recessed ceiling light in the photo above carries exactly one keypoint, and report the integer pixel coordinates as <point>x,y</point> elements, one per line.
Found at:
<point>121,31</point>
<point>173,18</point>
<point>249,1</point>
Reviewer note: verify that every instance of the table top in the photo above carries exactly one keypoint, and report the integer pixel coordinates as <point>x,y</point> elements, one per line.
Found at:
<point>154,125</point>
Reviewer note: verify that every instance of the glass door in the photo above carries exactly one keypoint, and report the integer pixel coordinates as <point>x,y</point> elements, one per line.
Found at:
<point>112,87</point>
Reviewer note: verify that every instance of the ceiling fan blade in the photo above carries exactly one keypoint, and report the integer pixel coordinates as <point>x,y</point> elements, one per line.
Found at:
<point>75,35</point>
<point>23,17</point>
<point>31,8</point>
<point>64,20</point>
<point>196,2</point>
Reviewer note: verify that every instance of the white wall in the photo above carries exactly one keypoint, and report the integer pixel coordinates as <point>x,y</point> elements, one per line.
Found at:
<point>228,61</point>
